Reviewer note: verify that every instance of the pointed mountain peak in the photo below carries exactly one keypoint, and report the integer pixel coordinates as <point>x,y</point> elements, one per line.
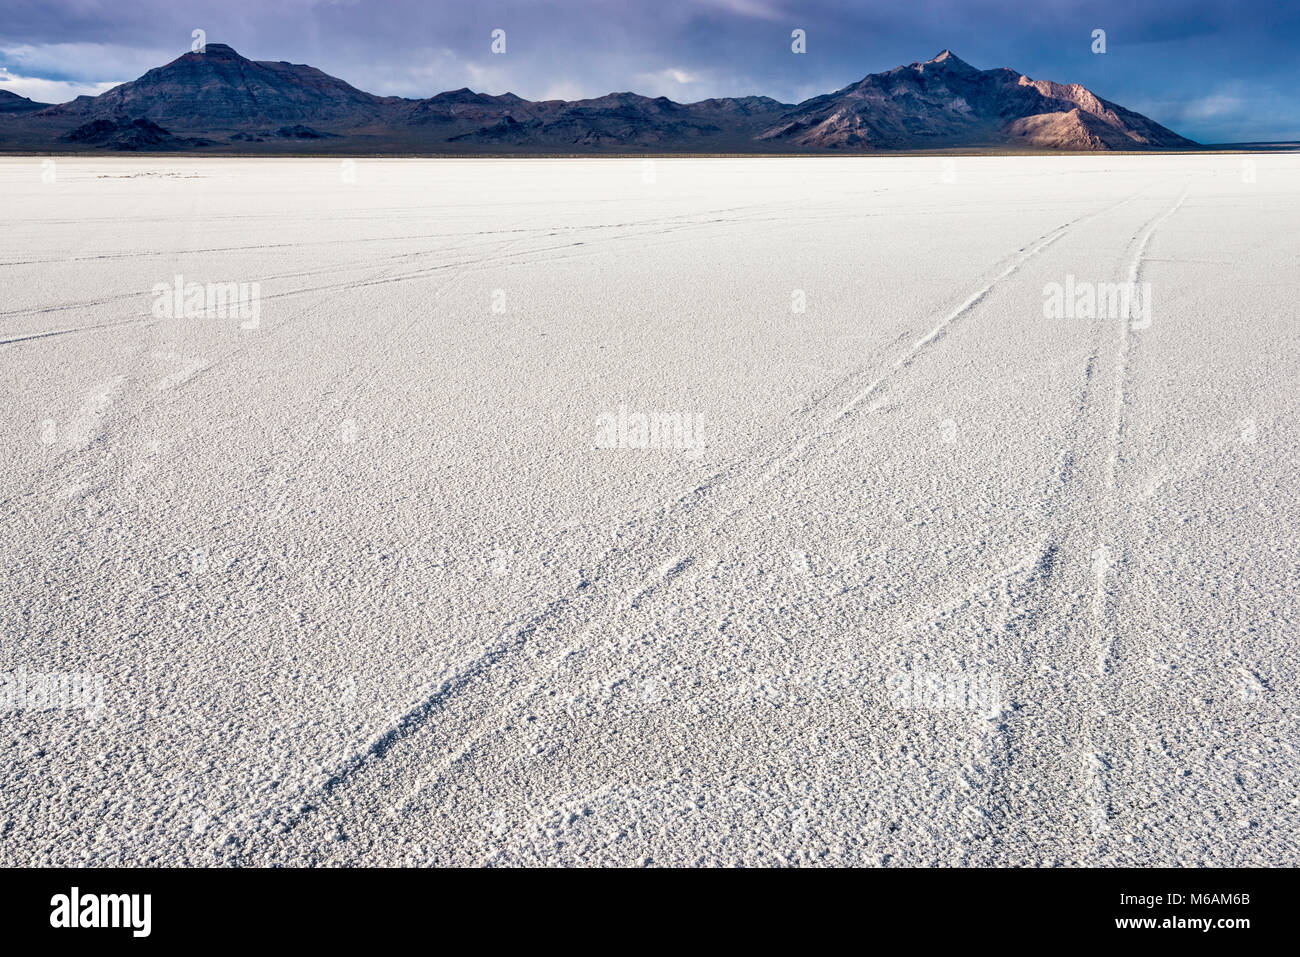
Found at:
<point>220,90</point>
<point>951,61</point>
<point>221,51</point>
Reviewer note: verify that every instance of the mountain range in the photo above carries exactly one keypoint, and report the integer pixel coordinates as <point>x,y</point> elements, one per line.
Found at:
<point>218,101</point>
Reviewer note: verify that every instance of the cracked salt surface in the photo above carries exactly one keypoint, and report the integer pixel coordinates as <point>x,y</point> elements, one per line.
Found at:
<point>946,582</point>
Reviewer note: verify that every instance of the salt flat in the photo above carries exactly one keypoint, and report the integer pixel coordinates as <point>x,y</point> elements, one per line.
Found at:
<point>686,512</point>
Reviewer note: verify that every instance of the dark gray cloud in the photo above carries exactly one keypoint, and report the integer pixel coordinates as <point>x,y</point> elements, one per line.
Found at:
<point>1214,71</point>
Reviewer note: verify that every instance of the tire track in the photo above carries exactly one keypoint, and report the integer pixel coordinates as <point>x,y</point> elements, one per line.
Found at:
<point>1109,559</point>
<point>499,256</point>
<point>75,329</point>
<point>1124,346</point>
<point>1019,259</point>
<point>989,774</point>
<point>530,648</point>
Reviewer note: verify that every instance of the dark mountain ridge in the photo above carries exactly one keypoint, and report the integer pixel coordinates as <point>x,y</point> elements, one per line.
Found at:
<point>233,103</point>
<point>13,103</point>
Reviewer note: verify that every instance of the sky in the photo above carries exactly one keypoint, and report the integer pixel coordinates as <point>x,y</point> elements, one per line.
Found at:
<point>1217,72</point>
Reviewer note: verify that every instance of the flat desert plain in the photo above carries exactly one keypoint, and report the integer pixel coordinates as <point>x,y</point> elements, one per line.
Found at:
<point>883,511</point>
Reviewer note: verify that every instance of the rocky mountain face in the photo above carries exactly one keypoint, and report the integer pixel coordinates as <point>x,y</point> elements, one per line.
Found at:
<point>219,89</point>
<point>946,102</point>
<point>243,105</point>
<point>626,120</point>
